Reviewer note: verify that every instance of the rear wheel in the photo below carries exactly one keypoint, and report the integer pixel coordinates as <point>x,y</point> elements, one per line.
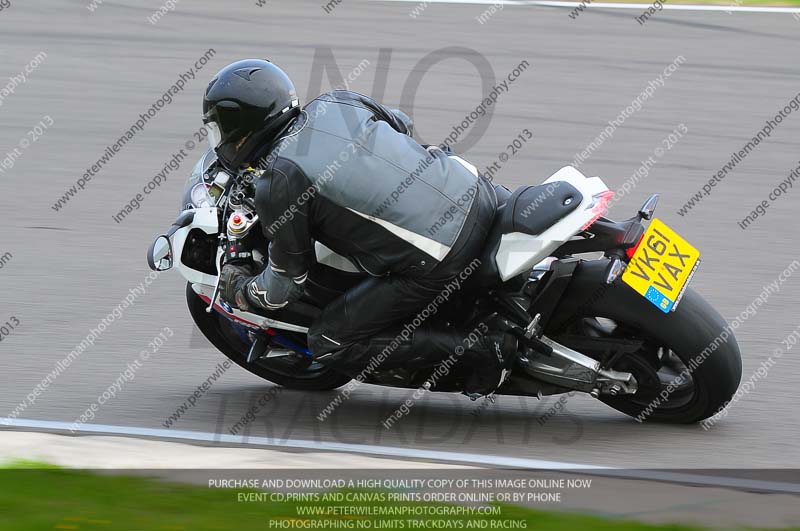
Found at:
<point>294,372</point>
<point>688,366</point>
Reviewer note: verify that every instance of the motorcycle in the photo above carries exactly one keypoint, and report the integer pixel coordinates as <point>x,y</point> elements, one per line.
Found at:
<point>623,327</point>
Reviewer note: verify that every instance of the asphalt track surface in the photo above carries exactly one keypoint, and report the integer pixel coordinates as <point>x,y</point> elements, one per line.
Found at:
<point>72,267</point>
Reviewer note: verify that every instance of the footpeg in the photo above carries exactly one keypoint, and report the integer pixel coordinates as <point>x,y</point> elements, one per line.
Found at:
<point>258,348</point>
<point>532,342</point>
<point>533,328</point>
<point>530,336</point>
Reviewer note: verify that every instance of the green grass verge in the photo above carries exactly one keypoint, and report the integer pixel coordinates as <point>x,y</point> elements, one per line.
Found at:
<point>52,498</point>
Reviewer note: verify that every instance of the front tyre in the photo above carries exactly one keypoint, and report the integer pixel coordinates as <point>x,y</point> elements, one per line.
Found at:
<point>292,372</point>
<point>692,343</point>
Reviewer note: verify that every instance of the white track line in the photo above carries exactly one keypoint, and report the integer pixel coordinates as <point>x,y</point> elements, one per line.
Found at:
<point>414,454</point>
<point>612,5</point>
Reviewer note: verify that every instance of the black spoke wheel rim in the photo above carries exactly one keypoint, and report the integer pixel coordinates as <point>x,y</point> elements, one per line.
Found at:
<point>655,366</point>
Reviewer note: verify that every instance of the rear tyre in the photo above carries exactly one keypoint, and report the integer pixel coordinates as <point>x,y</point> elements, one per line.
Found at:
<point>293,372</point>
<point>692,337</point>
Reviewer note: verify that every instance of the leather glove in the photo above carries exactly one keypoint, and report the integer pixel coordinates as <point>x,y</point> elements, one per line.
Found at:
<point>233,283</point>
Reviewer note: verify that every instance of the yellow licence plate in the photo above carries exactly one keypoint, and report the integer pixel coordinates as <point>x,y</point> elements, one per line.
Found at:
<point>662,266</point>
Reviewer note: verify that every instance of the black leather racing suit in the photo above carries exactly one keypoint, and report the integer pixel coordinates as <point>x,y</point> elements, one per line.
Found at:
<point>348,174</point>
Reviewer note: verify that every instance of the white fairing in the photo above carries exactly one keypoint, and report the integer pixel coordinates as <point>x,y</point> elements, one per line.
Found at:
<point>203,284</point>
<point>252,320</point>
<point>518,252</point>
<point>205,219</point>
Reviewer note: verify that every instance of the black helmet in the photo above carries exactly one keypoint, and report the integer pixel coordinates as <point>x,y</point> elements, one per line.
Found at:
<point>246,105</point>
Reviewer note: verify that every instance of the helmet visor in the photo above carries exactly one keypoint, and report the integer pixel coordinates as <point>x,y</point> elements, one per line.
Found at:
<point>214,135</point>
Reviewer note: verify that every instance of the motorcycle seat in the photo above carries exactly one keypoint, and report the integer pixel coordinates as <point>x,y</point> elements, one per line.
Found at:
<point>529,210</point>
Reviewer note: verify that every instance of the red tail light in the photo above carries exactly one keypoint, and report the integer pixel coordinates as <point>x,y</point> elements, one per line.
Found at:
<point>599,207</point>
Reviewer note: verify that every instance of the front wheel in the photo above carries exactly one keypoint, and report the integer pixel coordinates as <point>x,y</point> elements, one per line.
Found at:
<point>689,365</point>
<point>294,372</point>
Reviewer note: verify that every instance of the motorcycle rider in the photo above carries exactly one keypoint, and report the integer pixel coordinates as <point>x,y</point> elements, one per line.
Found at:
<point>345,171</point>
